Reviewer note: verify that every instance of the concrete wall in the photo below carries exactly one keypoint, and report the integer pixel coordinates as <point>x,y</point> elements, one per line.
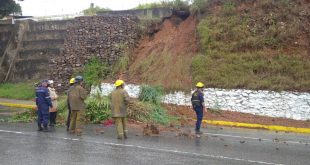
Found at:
<point>293,105</point>
<point>141,13</point>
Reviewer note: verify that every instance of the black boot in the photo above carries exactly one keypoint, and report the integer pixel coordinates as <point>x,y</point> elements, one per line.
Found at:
<point>45,129</point>
<point>40,127</point>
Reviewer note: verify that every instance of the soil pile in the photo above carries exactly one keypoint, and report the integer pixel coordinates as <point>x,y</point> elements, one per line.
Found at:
<point>164,58</point>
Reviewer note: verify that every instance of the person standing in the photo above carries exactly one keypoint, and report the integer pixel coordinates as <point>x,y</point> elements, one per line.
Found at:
<point>77,96</point>
<point>43,102</point>
<point>54,97</point>
<point>198,105</point>
<point>119,101</point>
<point>71,83</point>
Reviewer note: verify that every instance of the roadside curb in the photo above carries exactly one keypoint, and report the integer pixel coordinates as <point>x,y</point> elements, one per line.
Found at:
<point>213,122</point>
<point>17,105</point>
<point>258,126</point>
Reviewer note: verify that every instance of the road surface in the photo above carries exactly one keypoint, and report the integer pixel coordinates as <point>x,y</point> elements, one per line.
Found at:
<point>20,143</point>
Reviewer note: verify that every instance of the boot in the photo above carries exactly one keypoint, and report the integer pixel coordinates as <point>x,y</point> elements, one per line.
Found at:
<point>45,129</point>
<point>78,132</point>
<point>40,127</point>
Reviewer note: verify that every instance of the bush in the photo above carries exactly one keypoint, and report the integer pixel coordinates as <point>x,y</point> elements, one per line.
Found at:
<point>151,94</point>
<point>94,71</point>
<point>98,109</point>
<point>17,91</point>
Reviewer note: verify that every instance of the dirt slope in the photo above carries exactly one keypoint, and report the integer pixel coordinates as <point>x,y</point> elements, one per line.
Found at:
<point>165,58</point>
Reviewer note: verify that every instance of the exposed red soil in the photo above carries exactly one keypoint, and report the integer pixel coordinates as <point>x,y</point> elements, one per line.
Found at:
<point>186,113</point>
<point>165,58</point>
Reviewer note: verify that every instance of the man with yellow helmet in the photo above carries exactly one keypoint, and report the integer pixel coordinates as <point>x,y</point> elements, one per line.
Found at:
<point>71,83</point>
<point>198,105</point>
<point>119,101</point>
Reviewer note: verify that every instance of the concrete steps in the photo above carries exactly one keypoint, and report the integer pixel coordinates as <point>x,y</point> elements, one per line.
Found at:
<point>45,35</point>
<point>37,53</point>
<point>43,44</point>
<point>30,68</point>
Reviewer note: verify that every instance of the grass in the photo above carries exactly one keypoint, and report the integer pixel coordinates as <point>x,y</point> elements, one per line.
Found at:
<point>121,64</point>
<point>253,49</point>
<point>175,4</point>
<point>252,71</point>
<point>152,94</point>
<point>25,91</point>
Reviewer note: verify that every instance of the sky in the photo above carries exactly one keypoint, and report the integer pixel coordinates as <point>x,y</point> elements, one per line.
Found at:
<point>61,7</point>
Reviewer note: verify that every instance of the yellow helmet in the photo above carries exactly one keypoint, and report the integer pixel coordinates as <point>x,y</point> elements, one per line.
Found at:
<point>118,83</point>
<point>200,85</point>
<point>72,81</point>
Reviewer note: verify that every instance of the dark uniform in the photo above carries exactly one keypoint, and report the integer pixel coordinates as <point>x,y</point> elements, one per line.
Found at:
<point>119,102</point>
<point>197,103</point>
<point>43,102</point>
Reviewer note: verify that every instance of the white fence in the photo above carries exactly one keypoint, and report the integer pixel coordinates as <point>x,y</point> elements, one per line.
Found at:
<point>293,105</point>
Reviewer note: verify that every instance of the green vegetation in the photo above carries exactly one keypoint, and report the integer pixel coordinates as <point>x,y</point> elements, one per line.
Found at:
<point>253,50</point>
<point>98,109</point>
<point>152,97</point>
<point>94,71</point>
<point>121,64</point>
<point>28,116</point>
<point>151,94</point>
<point>8,7</point>
<point>92,10</point>
<point>175,4</point>
<point>17,91</point>
<point>198,6</point>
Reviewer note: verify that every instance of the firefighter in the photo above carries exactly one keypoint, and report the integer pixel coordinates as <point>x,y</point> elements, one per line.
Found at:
<point>43,102</point>
<point>119,101</point>
<point>198,105</point>
<point>71,83</point>
<point>77,96</point>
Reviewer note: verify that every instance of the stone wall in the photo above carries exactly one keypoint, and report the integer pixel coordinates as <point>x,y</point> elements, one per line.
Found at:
<point>293,105</point>
<point>105,37</point>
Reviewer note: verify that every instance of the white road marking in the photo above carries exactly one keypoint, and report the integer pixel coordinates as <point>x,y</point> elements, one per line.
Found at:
<point>157,149</point>
<point>254,138</point>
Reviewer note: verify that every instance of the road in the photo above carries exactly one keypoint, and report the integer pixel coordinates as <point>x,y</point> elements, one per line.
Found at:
<point>20,143</point>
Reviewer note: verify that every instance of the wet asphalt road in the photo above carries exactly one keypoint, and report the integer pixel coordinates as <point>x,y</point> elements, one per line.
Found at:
<point>22,144</point>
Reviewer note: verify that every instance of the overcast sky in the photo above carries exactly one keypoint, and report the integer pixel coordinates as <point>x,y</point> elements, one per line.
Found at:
<point>59,7</point>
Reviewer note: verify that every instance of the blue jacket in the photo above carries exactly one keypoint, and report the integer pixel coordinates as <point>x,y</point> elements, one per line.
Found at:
<point>43,99</point>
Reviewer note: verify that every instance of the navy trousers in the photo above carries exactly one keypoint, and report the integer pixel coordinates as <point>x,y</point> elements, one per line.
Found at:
<point>43,118</point>
<point>199,114</point>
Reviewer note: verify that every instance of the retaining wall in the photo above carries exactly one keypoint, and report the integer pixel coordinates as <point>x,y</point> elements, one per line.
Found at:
<point>293,105</point>
<point>141,13</point>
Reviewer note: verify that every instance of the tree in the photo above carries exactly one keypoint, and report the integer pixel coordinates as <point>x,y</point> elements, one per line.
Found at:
<point>8,7</point>
<point>92,10</point>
